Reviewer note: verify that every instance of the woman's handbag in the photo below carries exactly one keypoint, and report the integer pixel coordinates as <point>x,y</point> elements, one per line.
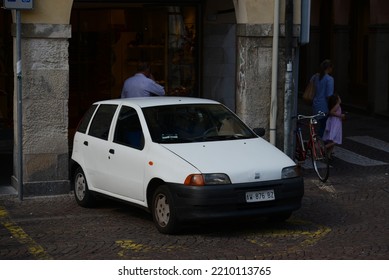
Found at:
<point>309,92</point>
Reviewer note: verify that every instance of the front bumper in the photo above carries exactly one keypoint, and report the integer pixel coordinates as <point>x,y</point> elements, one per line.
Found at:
<point>229,201</point>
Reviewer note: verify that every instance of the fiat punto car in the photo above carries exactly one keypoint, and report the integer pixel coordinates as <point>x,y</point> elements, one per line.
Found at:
<point>182,159</point>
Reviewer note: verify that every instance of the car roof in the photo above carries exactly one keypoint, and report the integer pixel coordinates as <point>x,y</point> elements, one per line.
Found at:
<point>144,102</point>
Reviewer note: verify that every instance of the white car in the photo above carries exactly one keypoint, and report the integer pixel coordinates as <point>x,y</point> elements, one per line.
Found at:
<point>182,159</point>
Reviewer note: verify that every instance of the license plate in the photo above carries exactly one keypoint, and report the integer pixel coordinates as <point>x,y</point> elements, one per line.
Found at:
<point>260,196</point>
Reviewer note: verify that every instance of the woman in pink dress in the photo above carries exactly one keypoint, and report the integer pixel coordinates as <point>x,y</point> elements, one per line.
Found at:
<point>333,131</point>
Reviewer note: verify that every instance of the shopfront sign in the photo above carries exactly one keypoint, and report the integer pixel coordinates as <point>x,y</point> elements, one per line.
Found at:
<point>18,4</point>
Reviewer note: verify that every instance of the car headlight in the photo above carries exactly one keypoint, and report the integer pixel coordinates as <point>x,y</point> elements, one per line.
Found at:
<point>207,179</point>
<point>291,172</point>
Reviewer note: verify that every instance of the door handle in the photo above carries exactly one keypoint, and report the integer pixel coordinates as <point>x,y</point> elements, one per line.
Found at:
<point>86,143</point>
<point>111,151</point>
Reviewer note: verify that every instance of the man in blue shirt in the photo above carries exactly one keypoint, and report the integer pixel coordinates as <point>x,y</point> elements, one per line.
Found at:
<point>141,84</point>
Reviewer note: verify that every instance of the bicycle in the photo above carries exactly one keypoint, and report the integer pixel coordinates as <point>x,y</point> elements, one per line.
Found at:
<point>314,145</point>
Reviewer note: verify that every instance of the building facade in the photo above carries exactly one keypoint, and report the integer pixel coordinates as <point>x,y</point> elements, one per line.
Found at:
<point>75,52</point>
<point>355,35</point>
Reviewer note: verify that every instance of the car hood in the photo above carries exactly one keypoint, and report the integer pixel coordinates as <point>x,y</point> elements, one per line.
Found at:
<point>243,161</point>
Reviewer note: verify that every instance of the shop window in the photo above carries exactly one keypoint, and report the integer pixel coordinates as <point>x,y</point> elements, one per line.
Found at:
<point>166,38</point>
<point>182,51</point>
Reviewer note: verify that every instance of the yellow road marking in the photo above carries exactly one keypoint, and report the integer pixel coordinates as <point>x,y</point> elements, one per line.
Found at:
<point>22,237</point>
<point>304,238</point>
<point>130,245</point>
<point>310,237</point>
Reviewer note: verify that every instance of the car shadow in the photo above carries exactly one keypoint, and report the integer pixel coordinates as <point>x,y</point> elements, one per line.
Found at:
<point>214,227</point>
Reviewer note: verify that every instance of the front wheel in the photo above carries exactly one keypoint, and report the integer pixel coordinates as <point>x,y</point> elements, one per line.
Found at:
<point>163,210</point>
<point>320,160</point>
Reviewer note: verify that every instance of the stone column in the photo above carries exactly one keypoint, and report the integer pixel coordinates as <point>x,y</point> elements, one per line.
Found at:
<point>254,62</point>
<point>254,75</point>
<point>45,84</point>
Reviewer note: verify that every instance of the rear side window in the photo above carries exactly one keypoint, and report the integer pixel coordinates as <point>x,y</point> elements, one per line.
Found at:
<point>83,126</point>
<point>102,121</point>
<point>128,130</point>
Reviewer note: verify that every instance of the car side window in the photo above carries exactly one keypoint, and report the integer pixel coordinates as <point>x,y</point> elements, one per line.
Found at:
<point>102,121</point>
<point>83,126</point>
<point>128,129</point>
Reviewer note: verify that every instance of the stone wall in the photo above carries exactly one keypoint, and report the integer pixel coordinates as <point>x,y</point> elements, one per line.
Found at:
<point>45,87</point>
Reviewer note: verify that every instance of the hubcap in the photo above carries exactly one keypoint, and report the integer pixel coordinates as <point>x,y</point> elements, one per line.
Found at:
<point>79,186</point>
<point>162,210</point>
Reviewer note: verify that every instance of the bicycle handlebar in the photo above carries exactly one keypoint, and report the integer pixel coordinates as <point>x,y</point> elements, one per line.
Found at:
<point>319,114</point>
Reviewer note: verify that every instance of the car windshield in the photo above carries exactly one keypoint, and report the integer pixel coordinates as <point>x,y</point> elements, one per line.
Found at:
<point>194,123</point>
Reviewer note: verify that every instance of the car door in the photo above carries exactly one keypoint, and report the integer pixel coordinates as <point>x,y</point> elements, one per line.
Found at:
<point>128,156</point>
<point>96,147</point>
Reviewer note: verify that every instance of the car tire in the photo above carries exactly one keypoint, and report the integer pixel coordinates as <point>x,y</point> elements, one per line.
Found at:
<point>163,211</point>
<point>83,195</point>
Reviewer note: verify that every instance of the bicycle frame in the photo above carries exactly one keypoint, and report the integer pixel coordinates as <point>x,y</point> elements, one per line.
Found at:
<point>312,135</point>
<point>314,144</point>
<point>300,143</point>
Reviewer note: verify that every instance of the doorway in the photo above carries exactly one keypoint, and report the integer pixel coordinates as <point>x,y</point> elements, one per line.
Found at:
<point>108,42</point>
<point>6,98</point>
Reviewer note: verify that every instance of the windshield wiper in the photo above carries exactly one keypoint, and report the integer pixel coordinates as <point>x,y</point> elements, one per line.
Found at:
<point>225,137</point>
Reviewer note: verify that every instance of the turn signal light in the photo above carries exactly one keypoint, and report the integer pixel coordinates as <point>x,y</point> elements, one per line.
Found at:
<point>194,180</point>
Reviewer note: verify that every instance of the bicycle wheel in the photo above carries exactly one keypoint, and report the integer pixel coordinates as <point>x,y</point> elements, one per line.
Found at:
<point>320,159</point>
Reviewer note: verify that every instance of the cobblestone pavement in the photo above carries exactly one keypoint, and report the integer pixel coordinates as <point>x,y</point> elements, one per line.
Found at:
<point>345,218</point>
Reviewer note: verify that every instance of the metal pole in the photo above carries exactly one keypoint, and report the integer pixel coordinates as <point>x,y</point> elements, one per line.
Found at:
<point>288,98</point>
<point>274,78</point>
<point>19,99</point>
<point>288,110</point>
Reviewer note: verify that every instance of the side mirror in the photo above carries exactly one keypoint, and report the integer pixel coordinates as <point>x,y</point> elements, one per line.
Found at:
<point>260,131</point>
